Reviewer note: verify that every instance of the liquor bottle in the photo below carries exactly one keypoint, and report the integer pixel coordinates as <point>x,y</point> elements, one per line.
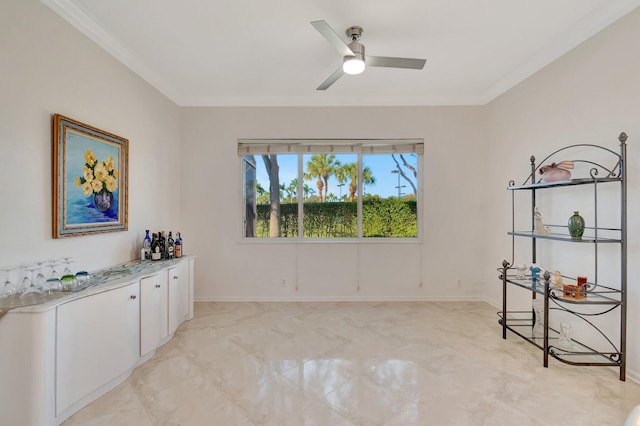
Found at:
<point>146,246</point>
<point>163,247</point>
<point>155,248</point>
<point>170,248</point>
<point>177,246</point>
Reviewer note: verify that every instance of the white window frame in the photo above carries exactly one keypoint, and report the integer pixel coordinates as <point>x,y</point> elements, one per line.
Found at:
<point>359,147</point>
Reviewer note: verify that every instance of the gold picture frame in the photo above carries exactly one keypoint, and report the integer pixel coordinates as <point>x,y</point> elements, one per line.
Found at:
<point>90,179</point>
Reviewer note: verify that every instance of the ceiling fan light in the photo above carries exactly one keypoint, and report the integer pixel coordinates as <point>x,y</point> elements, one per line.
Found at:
<point>352,65</point>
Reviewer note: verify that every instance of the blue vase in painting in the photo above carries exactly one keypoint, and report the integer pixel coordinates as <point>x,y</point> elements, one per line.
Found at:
<point>103,201</point>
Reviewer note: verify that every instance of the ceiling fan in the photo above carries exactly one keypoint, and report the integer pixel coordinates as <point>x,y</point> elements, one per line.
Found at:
<point>354,60</point>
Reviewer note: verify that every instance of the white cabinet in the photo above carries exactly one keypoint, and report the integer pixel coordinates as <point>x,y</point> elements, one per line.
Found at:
<point>179,295</point>
<point>27,368</point>
<point>153,312</point>
<point>58,357</point>
<point>97,340</point>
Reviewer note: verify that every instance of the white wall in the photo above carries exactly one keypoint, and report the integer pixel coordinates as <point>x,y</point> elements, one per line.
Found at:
<point>49,67</point>
<point>234,270</point>
<point>589,95</point>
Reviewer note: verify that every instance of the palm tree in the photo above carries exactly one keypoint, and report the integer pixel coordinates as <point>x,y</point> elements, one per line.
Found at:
<point>263,195</point>
<point>322,166</point>
<point>342,175</point>
<point>367,178</point>
<point>292,189</point>
<point>288,192</point>
<point>350,172</point>
<point>307,190</point>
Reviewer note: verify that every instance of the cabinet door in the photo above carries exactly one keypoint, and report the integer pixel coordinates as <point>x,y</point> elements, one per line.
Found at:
<point>183,277</point>
<point>97,339</point>
<point>178,295</point>
<point>153,312</point>
<point>175,295</point>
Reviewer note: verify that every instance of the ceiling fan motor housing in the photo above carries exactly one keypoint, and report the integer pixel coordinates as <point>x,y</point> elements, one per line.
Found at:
<point>354,34</point>
<point>357,49</point>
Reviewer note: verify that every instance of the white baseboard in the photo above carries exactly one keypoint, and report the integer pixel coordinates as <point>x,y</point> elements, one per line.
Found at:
<point>340,299</point>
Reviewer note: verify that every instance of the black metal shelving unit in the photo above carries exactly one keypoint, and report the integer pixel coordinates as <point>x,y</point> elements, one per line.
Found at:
<point>600,299</point>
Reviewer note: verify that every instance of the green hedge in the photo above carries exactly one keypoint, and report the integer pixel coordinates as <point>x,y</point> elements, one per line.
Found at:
<point>381,218</point>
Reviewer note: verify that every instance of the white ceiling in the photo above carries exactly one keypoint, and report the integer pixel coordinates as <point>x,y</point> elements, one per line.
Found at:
<point>254,53</point>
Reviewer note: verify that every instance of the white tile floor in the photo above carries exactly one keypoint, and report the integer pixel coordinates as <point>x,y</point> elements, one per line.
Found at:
<point>388,363</point>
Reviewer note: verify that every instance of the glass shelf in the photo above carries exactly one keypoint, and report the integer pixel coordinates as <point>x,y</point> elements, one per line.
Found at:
<point>520,323</point>
<point>582,355</point>
<point>561,183</point>
<point>564,237</point>
<point>600,296</point>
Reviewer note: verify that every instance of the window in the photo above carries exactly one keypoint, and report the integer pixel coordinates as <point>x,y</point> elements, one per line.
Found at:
<point>312,189</point>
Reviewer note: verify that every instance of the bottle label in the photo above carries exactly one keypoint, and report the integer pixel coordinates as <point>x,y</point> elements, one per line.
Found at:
<point>177,251</point>
<point>170,252</point>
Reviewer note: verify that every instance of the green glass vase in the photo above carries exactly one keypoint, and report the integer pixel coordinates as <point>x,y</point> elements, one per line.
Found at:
<point>576,226</point>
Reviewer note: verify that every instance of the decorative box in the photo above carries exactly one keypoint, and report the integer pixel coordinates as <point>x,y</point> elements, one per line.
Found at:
<point>577,292</point>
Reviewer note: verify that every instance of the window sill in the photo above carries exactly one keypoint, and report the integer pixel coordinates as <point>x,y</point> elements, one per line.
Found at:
<point>372,240</point>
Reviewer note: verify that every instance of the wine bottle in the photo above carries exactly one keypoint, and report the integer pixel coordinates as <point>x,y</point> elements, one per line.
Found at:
<point>170,247</point>
<point>155,248</point>
<point>146,246</point>
<point>163,245</point>
<point>177,246</point>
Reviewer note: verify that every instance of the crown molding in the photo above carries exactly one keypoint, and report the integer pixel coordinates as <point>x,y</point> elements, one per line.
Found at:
<point>84,22</point>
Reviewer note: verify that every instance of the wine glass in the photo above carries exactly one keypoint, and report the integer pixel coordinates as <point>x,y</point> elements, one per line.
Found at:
<point>564,341</point>
<point>69,282</point>
<point>52,284</point>
<point>52,264</point>
<point>8,288</point>
<point>538,311</point>
<point>39,279</point>
<point>27,281</point>
<point>67,261</point>
<point>82,277</point>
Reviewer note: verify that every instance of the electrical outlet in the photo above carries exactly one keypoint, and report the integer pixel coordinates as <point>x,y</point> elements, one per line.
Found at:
<point>283,283</point>
<point>459,283</point>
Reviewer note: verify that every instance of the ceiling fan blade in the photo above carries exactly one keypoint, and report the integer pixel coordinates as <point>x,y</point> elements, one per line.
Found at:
<point>332,79</point>
<point>386,61</point>
<point>333,38</point>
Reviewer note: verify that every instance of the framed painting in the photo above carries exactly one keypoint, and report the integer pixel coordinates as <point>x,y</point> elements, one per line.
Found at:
<point>90,179</point>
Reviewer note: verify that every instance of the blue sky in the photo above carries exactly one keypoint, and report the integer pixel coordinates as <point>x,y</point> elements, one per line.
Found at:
<point>381,166</point>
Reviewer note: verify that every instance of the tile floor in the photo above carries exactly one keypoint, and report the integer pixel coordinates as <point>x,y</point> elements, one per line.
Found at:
<point>390,363</point>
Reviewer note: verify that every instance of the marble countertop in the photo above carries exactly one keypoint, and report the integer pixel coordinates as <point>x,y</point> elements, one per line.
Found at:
<point>101,280</point>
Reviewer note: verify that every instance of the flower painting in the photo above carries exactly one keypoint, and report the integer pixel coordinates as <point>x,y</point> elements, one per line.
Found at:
<point>90,179</point>
<point>99,179</point>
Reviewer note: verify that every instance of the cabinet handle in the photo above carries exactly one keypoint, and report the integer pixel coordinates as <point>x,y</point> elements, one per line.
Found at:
<point>133,296</point>
<point>175,278</point>
<point>157,285</point>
